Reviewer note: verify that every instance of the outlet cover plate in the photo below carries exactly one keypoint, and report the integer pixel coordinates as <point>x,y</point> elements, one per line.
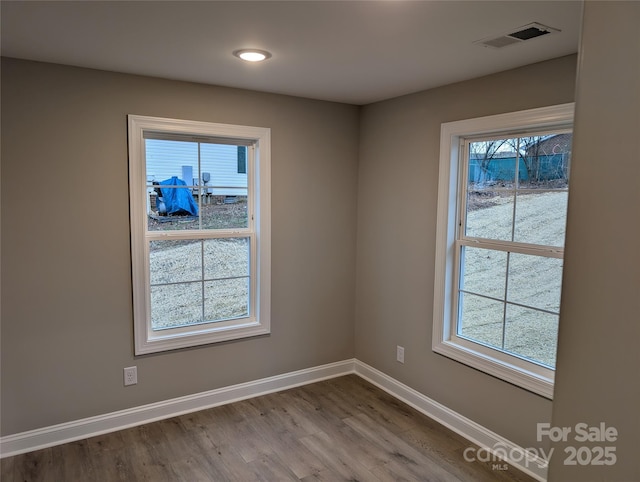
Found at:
<point>400,353</point>
<point>130,376</point>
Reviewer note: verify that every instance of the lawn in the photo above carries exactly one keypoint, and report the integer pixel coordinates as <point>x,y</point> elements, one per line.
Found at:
<point>532,280</point>
<point>184,272</point>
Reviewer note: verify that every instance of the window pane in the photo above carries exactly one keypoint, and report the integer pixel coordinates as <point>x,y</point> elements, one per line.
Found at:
<point>535,281</point>
<point>541,218</point>
<point>545,160</point>
<point>195,185</point>
<point>531,334</point>
<point>176,305</point>
<point>170,170</point>
<point>224,187</point>
<point>226,258</point>
<point>491,221</point>
<point>484,272</point>
<point>492,164</point>
<point>226,299</point>
<point>481,319</point>
<point>175,261</point>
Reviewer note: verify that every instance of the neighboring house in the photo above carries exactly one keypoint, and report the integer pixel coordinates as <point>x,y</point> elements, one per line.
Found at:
<point>549,158</point>
<point>223,167</point>
<point>553,145</point>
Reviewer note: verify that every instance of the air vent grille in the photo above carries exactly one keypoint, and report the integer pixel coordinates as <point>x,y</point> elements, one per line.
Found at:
<point>519,35</point>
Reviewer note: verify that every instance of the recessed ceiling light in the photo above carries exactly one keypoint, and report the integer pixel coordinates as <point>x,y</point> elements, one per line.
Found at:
<point>252,55</point>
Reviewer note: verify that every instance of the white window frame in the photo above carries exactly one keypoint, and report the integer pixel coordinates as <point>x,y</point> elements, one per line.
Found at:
<point>258,231</point>
<point>528,375</point>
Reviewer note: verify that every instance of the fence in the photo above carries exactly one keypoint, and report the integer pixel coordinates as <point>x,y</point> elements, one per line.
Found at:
<point>539,168</point>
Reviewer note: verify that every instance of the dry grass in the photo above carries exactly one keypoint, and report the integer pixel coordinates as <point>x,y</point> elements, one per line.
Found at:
<point>533,281</point>
<point>212,216</point>
<point>196,281</point>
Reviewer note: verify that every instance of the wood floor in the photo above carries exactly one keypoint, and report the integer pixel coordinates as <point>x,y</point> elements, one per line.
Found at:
<point>343,429</point>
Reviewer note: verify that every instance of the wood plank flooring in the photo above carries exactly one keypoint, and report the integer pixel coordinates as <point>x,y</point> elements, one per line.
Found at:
<point>344,429</point>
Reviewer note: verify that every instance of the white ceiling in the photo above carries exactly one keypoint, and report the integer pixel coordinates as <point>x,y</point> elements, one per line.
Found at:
<point>347,51</point>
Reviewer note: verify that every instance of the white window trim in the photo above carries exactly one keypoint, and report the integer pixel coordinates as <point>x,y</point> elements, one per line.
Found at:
<point>525,374</point>
<point>148,341</point>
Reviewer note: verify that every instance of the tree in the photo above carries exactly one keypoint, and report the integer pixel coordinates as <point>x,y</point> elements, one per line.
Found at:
<point>484,152</point>
<point>530,150</point>
<point>536,150</point>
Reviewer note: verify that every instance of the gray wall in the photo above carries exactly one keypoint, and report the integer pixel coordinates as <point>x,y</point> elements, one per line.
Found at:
<point>66,276</point>
<point>597,378</point>
<point>397,202</point>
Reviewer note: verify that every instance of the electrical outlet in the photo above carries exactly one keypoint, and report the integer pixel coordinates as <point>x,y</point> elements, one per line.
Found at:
<point>400,353</point>
<point>130,376</point>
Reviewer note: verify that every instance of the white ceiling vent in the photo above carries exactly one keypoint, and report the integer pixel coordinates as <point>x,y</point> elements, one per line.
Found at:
<point>517,36</point>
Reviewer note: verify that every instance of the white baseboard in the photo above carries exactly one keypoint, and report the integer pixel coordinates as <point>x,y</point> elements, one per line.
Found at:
<point>475,433</point>
<point>111,422</point>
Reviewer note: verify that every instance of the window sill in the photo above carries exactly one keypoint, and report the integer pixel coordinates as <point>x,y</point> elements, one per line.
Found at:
<point>159,341</point>
<point>539,381</point>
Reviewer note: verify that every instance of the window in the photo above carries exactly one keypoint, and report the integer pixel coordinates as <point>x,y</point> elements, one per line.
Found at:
<point>502,207</point>
<point>200,232</point>
<point>242,160</point>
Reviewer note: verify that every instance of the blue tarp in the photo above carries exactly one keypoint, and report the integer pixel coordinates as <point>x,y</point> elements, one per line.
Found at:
<point>177,200</point>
